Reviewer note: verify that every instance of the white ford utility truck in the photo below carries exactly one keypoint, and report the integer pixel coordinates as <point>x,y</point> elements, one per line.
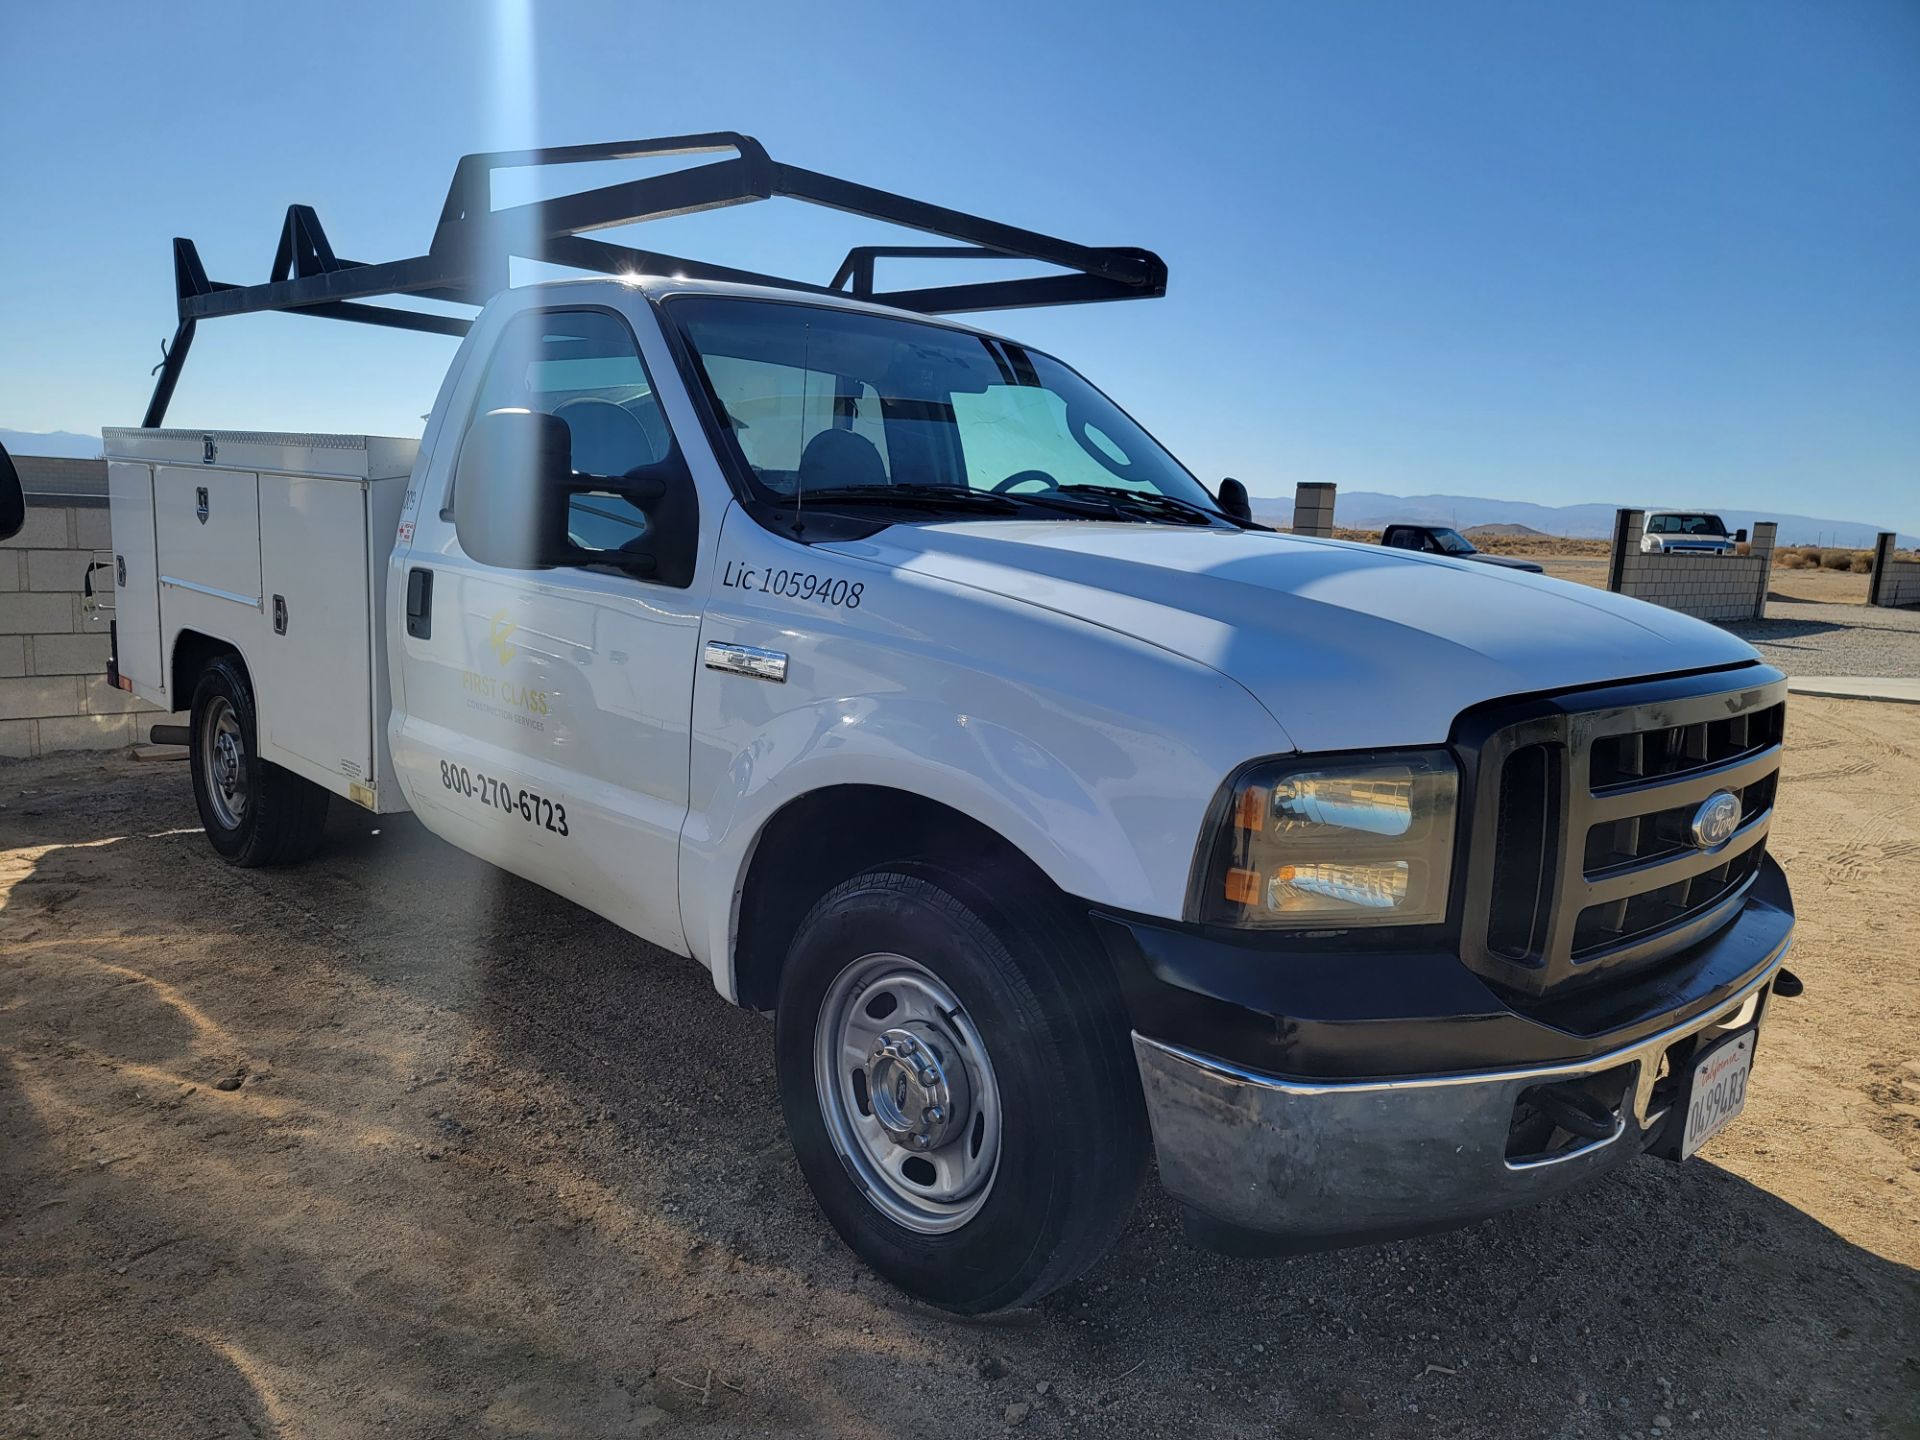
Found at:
<point>1058,813</point>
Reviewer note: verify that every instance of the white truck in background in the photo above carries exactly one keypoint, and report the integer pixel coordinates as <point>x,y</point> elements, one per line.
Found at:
<point>1688,532</point>
<point>1056,810</point>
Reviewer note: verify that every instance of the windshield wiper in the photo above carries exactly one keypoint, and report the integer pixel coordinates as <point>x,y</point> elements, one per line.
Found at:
<point>913,497</point>
<point>1088,502</point>
<point>1184,510</point>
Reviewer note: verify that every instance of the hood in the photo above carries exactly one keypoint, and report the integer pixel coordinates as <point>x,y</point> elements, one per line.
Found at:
<point>1348,646</point>
<point>1506,562</point>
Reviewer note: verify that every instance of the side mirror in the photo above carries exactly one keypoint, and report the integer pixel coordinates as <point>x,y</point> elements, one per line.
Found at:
<point>511,486</point>
<point>1233,500</point>
<point>1740,535</point>
<point>13,500</point>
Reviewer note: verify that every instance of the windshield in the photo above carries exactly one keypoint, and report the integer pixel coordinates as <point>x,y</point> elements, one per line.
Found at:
<point>1689,525</point>
<point>1452,542</point>
<point>823,402</point>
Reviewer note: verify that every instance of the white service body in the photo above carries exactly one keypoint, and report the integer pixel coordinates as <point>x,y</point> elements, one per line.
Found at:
<point>277,545</point>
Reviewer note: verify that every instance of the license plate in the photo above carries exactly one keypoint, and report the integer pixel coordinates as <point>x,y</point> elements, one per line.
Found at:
<point>1719,1091</point>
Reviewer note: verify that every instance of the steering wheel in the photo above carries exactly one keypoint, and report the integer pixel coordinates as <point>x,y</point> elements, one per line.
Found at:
<point>1024,477</point>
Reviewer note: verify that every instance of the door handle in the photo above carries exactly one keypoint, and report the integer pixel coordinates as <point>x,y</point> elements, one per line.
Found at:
<point>420,603</point>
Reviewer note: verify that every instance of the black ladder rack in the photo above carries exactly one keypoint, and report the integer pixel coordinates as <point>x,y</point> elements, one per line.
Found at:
<point>467,262</point>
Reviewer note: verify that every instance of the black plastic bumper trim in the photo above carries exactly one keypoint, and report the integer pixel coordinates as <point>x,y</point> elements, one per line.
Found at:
<point>1382,1014</point>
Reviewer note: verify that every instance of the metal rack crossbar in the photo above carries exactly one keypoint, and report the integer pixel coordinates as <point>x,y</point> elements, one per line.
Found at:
<point>473,244</point>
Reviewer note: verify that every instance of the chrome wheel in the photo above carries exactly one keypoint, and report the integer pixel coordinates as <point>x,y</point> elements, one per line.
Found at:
<point>223,762</point>
<point>907,1090</point>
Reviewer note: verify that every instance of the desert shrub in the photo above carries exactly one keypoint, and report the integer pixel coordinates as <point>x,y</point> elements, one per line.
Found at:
<point>1863,563</point>
<point>1787,559</point>
<point>1838,560</point>
<point>1810,558</point>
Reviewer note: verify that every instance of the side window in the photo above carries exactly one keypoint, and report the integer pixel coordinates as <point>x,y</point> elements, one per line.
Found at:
<point>585,367</point>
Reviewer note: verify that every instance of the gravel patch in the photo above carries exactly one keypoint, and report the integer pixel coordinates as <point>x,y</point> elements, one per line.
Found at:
<point>1811,639</point>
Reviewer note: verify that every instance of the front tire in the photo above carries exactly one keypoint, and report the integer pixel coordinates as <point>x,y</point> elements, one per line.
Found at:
<point>959,1086</point>
<point>254,812</point>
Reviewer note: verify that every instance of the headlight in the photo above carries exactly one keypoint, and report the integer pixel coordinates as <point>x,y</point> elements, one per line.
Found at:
<point>1329,843</point>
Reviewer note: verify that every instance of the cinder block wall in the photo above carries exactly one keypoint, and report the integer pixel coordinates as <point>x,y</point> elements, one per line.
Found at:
<point>1710,587</point>
<point>53,657</point>
<point>1313,508</point>
<point>1895,582</point>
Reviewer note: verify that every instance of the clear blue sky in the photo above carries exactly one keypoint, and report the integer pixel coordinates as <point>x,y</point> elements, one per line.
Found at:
<point>1621,251</point>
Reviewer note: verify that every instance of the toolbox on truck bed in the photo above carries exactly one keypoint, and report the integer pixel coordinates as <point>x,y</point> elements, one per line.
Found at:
<point>277,545</point>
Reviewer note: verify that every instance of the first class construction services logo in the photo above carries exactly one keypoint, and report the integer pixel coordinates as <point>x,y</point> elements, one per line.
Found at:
<point>501,697</point>
<point>499,632</point>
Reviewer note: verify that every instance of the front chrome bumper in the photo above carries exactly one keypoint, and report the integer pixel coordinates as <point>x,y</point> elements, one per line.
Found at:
<point>1321,1163</point>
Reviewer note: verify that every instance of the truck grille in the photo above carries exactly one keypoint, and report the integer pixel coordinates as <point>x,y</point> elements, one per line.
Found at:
<point>1582,859</point>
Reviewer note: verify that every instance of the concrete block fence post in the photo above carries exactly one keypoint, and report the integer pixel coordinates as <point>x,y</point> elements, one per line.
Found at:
<point>1765,532</point>
<point>1627,528</point>
<point>1313,508</point>
<point>1878,584</point>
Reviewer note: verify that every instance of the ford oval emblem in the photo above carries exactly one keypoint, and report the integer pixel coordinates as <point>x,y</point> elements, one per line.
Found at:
<point>1716,820</point>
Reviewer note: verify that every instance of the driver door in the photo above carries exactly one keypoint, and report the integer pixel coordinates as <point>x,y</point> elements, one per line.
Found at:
<point>546,726</point>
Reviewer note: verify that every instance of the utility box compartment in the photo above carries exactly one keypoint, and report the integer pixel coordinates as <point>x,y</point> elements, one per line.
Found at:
<point>135,580</point>
<point>206,531</point>
<point>275,545</point>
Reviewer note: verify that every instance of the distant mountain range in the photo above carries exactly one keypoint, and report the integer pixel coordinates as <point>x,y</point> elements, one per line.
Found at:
<point>63,443</point>
<point>1370,510</point>
<point>1356,509</point>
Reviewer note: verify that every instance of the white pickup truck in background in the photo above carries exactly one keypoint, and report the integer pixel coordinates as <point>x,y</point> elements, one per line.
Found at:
<point>1688,532</point>
<point>1055,810</point>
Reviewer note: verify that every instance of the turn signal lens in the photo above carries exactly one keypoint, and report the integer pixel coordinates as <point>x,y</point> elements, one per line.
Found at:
<point>1243,887</point>
<point>1334,842</point>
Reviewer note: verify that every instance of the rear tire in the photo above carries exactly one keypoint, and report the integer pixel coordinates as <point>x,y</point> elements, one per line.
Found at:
<point>254,812</point>
<point>1037,1144</point>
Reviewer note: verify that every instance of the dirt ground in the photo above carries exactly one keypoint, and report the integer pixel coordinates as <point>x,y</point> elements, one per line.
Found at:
<point>394,1144</point>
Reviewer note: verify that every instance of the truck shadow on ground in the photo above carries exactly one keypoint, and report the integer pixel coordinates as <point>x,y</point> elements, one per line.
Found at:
<point>490,1166</point>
